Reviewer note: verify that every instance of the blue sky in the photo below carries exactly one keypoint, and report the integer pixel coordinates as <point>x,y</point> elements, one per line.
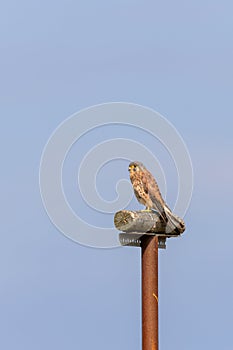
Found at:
<point>60,57</point>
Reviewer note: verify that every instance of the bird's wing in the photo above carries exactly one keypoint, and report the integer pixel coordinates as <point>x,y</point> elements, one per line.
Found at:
<point>155,196</point>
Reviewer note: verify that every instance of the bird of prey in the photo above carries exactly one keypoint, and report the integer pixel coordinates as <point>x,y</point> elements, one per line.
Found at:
<point>147,193</point>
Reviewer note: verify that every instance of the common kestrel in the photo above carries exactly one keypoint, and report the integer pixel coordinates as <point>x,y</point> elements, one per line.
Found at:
<point>147,192</point>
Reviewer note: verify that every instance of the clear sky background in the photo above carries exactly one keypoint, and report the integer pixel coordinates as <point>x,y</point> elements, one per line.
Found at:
<point>58,57</point>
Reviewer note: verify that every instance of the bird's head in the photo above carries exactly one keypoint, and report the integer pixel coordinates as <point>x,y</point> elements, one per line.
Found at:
<point>135,166</point>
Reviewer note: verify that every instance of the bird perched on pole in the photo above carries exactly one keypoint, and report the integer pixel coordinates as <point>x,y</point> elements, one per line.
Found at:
<point>147,193</point>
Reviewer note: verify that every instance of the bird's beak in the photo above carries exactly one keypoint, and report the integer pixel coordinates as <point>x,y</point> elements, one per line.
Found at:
<point>129,168</point>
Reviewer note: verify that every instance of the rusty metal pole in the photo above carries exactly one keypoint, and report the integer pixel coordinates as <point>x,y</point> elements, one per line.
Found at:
<point>149,251</point>
<point>133,224</point>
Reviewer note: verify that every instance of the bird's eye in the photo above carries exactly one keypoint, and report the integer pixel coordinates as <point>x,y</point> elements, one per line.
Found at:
<point>134,168</point>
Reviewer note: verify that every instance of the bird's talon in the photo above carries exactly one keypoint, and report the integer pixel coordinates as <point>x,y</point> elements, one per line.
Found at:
<point>147,210</point>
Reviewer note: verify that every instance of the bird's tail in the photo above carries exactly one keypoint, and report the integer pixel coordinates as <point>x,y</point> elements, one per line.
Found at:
<point>174,223</point>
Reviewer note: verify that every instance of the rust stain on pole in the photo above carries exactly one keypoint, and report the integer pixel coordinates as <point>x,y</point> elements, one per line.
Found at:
<point>149,246</point>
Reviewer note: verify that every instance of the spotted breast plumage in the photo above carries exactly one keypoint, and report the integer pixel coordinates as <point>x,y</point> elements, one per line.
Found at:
<point>147,193</point>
